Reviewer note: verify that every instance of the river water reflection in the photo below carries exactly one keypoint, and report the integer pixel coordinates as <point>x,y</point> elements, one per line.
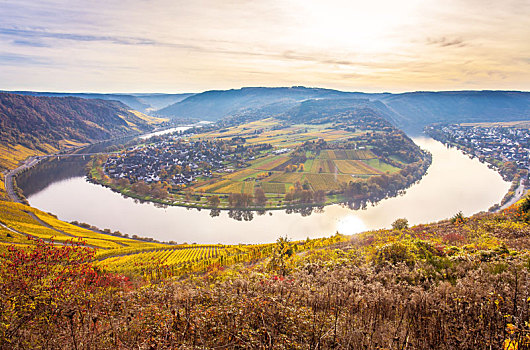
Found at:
<point>454,182</point>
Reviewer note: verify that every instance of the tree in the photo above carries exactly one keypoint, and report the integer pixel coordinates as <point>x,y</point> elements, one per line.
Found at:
<point>45,289</point>
<point>158,191</point>
<point>306,196</point>
<point>400,224</point>
<point>282,252</point>
<point>214,201</point>
<point>509,169</point>
<point>458,218</point>
<point>524,209</point>
<point>141,188</point>
<point>123,182</point>
<point>259,196</point>
<point>319,196</point>
<point>239,200</point>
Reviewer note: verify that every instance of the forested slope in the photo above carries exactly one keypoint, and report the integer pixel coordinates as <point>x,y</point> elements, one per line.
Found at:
<point>31,121</point>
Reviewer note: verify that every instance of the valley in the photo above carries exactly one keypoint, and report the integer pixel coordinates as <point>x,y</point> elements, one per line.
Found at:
<point>307,176</point>
<point>273,175</point>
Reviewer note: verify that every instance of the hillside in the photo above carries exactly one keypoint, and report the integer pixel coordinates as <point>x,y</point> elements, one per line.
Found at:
<point>322,109</point>
<point>411,110</point>
<point>462,283</point>
<point>422,108</point>
<point>159,101</point>
<point>350,155</point>
<point>214,105</point>
<point>144,103</point>
<point>36,121</point>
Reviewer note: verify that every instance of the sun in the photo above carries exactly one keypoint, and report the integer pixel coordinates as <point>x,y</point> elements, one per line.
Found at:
<point>350,225</point>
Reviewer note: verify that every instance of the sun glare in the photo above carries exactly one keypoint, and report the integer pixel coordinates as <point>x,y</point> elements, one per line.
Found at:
<point>350,225</point>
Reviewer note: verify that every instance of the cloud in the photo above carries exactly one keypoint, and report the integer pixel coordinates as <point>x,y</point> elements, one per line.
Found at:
<point>35,34</point>
<point>16,59</point>
<point>177,45</point>
<point>445,42</point>
<point>30,43</point>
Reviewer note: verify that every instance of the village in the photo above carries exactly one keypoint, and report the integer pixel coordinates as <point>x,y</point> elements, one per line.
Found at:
<point>493,144</point>
<point>178,162</point>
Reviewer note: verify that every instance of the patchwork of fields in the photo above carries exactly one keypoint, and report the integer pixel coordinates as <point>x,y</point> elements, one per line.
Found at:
<point>279,169</point>
<point>325,172</point>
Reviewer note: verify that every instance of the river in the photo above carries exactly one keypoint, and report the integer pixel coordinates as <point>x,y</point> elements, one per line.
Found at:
<point>454,182</point>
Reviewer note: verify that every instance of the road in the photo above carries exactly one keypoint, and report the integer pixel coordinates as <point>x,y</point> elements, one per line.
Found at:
<point>519,193</point>
<point>31,161</point>
<point>10,175</point>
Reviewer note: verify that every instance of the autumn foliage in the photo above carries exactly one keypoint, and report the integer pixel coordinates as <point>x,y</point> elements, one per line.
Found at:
<point>445,285</point>
<point>47,292</point>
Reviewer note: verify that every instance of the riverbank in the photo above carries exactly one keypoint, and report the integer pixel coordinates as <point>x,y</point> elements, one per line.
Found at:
<point>376,188</point>
<point>452,183</point>
<point>519,193</point>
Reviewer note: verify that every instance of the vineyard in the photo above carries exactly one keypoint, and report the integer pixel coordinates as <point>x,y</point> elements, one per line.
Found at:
<point>11,156</point>
<point>286,177</point>
<point>19,222</point>
<point>231,187</point>
<point>272,187</point>
<point>177,260</point>
<point>465,280</point>
<point>21,225</point>
<point>327,181</point>
<point>323,166</point>
<point>356,167</point>
<point>184,259</point>
<point>273,163</point>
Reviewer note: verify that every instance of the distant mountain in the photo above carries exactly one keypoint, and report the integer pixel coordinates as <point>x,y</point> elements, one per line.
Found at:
<point>422,108</point>
<point>311,110</point>
<point>216,104</point>
<point>36,121</point>
<point>408,110</point>
<point>159,101</point>
<point>143,102</point>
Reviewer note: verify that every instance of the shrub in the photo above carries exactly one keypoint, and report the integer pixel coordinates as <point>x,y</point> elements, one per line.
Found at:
<point>400,224</point>
<point>393,253</point>
<point>458,218</point>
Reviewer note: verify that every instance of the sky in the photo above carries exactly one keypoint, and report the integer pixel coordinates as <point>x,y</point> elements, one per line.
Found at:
<point>175,46</point>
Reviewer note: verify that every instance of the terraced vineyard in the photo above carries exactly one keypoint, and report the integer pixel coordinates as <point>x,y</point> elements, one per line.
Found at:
<point>19,224</point>
<point>184,259</point>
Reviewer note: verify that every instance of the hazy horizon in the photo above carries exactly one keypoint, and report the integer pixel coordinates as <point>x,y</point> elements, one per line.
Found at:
<point>244,87</point>
<point>165,46</point>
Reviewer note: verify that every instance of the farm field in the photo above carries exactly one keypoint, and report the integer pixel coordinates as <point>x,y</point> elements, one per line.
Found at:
<point>266,163</point>
<point>354,167</point>
<point>269,172</point>
<point>381,166</point>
